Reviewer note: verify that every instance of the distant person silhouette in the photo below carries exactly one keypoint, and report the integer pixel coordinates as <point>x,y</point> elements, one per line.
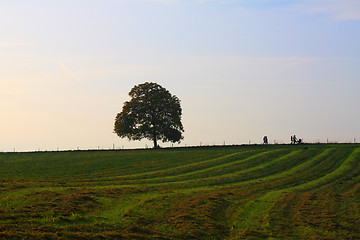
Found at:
<point>265,140</point>
<point>295,139</point>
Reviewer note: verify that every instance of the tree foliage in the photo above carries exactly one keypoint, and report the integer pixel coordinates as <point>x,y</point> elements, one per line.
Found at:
<point>152,113</point>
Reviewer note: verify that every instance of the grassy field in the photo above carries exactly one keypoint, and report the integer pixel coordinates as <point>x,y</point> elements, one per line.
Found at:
<point>239,192</point>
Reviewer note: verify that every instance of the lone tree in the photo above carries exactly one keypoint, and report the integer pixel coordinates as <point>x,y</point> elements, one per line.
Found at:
<point>152,113</point>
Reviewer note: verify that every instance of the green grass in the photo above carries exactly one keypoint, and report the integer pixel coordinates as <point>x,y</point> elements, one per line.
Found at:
<point>237,192</point>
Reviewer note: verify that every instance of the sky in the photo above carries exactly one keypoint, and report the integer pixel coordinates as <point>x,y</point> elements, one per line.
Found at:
<point>242,69</point>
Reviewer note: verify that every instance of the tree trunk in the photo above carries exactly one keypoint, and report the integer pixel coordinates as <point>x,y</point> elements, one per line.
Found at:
<point>155,140</point>
<point>154,130</point>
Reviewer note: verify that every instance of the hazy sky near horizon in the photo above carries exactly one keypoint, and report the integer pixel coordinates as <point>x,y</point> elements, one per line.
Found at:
<point>242,69</point>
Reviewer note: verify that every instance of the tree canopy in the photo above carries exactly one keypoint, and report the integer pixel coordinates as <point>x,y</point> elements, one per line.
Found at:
<point>152,113</point>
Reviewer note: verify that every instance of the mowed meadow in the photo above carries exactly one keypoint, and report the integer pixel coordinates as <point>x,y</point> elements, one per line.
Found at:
<point>230,192</point>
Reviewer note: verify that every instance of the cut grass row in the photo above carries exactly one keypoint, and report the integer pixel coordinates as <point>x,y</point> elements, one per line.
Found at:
<point>250,216</point>
<point>222,193</point>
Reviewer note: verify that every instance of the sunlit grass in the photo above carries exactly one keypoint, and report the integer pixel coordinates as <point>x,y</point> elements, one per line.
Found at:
<point>260,192</point>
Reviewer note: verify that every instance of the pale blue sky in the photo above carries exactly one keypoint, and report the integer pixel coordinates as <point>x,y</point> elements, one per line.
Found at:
<point>242,69</point>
